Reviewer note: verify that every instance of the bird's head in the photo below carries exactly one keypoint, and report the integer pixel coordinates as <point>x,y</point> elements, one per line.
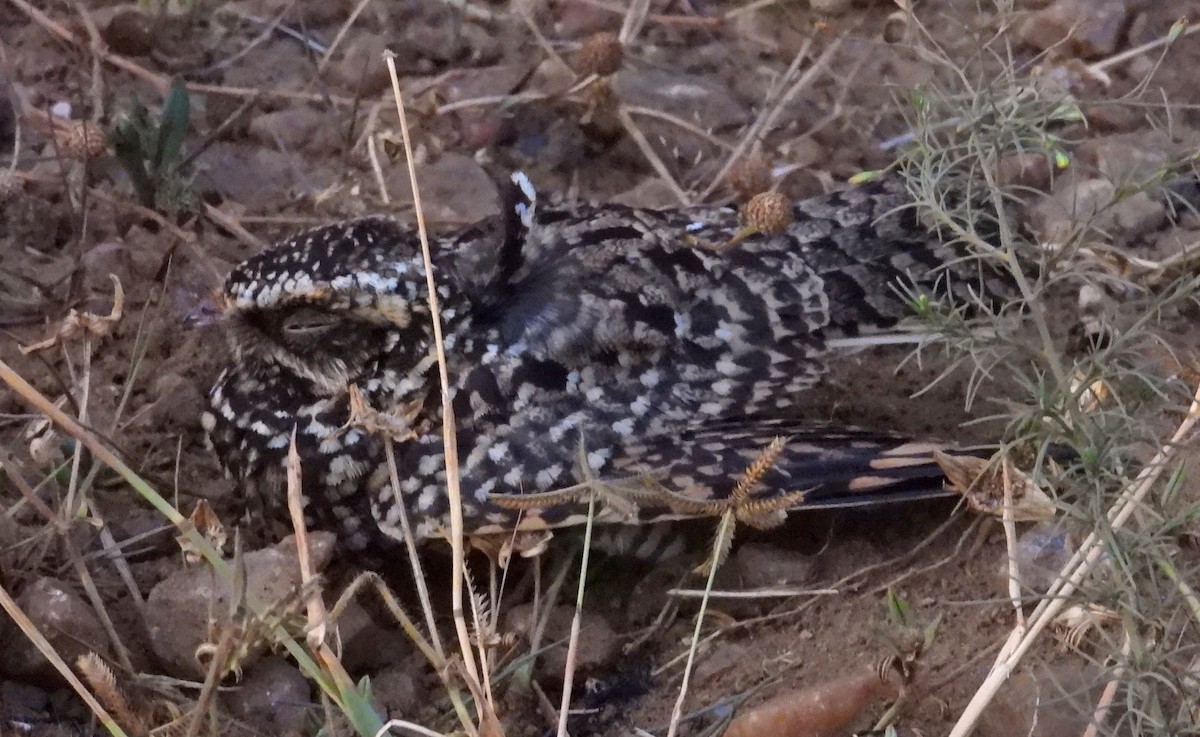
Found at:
<point>327,305</point>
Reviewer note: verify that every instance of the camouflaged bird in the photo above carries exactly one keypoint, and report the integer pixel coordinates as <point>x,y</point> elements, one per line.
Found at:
<point>585,343</point>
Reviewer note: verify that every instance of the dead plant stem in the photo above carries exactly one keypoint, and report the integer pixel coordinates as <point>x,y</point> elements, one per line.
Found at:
<point>1071,576</point>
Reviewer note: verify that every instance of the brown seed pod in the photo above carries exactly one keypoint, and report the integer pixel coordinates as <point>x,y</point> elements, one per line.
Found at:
<point>601,54</point>
<point>751,175</point>
<point>768,212</point>
<point>80,139</point>
<point>823,709</point>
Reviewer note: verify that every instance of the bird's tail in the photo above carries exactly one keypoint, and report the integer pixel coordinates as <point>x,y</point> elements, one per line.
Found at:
<point>783,465</point>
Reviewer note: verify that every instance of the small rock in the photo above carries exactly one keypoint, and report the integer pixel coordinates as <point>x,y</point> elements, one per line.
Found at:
<point>576,20</point>
<point>1138,214</point>
<point>548,140</point>
<point>1025,170</point>
<point>1046,702</point>
<point>480,128</point>
<point>297,129</point>
<point>1112,117</point>
<point>597,640</point>
<point>143,534</point>
<point>308,13</point>
<point>110,257</point>
<point>550,78</point>
<point>23,702</point>
<point>723,659</point>
<point>468,84</point>
<point>652,193</point>
<point>256,176</point>
<point>831,7</point>
<point>1074,202</point>
<point>361,70</point>
<point>454,189</point>
<point>702,100</point>
<point>274,696</point>
<point>1090,28</point>
<point>366,645</point>
<point>1127,158</point>
<point>179,405</point>
<point>179,607</point>
<point>66,620</point>
<point>395,691</point>
<point>436,36</point>
<point>760,566</point>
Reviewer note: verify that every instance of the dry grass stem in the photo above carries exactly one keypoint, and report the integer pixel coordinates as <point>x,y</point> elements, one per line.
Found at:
<point>1072,575</point>
<point>414,559</point>
<point>652,157</point>
<point>47,650</point>
<point>341,34</point>
<point>489,724</point>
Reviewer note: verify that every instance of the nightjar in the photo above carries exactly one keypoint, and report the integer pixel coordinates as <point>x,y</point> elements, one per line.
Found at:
<point>585,343</point>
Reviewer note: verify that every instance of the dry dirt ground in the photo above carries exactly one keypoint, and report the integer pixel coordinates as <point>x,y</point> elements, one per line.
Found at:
<point>281,138</point>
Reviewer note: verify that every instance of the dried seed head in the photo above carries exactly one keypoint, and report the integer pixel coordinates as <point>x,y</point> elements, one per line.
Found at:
<point>80,139</point>
<point>768,212</point>
<point>601,54</point>
<point>751,175</point>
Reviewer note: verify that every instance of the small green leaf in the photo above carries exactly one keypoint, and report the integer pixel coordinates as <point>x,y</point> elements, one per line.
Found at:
<point>866,176</point>
<point>126,141</point>
<point>921,305</point>
<point>931,633</point>
<point>1061,160</point>
<point>899,611</point>
<point>1177,29</point>
<point>172,129</point>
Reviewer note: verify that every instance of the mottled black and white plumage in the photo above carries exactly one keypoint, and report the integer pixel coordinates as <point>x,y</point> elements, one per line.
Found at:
<point>621,338</point>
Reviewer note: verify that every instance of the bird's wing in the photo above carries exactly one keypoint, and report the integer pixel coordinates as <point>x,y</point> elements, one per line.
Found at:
<point>618,342</point>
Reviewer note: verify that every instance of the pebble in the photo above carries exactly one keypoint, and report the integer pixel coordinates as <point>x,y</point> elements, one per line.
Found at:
<point>598,645</point>
<point>366,644</point>
<point>1074,201</point>
<point>23,702</point>
<point>831,7</point>
<point>64,618</point>
<point>395,691</point>
<point>143,534</point>
<point>178,405</point>
<point>361,69</point>
<point>758,565</point>
<point>652,193</point>
<point>703,100</point>
<point>274,696</point>
<point>454,189</point>
<point>179,607</point>
<point>299,128</point>
<point>254,176</point>
<point>1092,28</point>
<point>724,658</point>
<point>307,13</point>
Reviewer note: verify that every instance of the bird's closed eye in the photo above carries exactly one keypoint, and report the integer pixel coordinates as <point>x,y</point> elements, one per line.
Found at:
<point>306,324</point>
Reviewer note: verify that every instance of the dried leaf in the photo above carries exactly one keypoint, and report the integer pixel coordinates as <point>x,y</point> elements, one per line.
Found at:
<point>981,482</point>
<point>205,521</point>
<point>77,323</point>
